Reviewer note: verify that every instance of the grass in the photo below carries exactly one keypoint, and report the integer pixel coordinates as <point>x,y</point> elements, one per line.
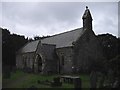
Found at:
<point>20,79</point>
<point>85,80</point>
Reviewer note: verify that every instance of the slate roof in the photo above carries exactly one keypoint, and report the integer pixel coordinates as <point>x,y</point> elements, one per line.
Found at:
<point>60,40</point>
<point>29,47</point>
<point>64,39</point>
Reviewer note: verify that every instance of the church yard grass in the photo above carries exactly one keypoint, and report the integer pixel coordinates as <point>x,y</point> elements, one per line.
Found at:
<point>20,79</point>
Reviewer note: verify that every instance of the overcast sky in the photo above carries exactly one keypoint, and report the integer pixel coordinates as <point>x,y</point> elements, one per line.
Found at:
<point>49,18</point>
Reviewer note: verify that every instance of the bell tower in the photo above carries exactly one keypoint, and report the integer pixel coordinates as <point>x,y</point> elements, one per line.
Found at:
<point>87,19</point>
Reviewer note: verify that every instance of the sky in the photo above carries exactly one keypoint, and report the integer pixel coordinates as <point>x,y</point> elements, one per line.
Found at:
<point>48,18</point>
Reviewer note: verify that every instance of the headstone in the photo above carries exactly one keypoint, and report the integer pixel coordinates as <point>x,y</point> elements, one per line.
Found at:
<point>93,79</point>
<point>101,81</point>
<point>116,84</point>
<point>77,83</point>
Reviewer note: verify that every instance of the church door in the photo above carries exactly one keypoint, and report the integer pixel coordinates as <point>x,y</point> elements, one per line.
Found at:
<point>39,63</point>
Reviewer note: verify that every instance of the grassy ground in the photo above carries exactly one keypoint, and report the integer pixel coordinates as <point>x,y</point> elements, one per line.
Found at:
<point>20,79</point>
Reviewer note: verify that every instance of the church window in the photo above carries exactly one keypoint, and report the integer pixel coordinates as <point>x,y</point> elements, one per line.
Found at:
<point>62,60</point>
<point>28,60</point>
<point>25,63</point>
<point>23,59</point>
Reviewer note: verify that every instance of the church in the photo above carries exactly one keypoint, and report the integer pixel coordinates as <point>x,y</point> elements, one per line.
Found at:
<point>65,53</point>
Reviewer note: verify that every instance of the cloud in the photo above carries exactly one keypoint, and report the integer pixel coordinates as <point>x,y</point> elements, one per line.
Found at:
<point>40,18</point>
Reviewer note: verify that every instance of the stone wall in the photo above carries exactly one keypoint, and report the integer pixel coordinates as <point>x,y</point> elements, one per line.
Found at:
<point>87,51</point>
<point>25,60</point>
<point>65,56</point>
<point>47,52</point>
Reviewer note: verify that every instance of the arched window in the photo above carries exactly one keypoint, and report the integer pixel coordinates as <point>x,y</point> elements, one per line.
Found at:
<point>39,63</point>
<point>62,60</point>
<point>24,61</point>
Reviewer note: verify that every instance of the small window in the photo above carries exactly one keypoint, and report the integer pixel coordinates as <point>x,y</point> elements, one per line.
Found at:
<point>62,60</point>
<point>25,63</point>
<point>28,60</point>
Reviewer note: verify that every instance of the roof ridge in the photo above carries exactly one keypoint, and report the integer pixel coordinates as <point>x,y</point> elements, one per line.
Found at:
<point>53,40</point>
<point>63,33</point>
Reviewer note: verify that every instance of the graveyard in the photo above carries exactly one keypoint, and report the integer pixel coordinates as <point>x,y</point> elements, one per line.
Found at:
<point>20,79</point>
<point>73,59</point>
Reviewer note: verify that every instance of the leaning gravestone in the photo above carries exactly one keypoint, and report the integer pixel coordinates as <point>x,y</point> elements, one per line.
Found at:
<point>101,80</point>
<point>77,83</point>
<point>93,79</point>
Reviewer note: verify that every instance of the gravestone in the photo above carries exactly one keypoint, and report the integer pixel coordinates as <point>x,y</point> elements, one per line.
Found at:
<point>116,84</point>
<point>93,79</point>
<point>77,83</point>
<point>101,80</point>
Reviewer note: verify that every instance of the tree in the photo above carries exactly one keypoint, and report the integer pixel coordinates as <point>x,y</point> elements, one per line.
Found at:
<point>109,44</point>
<point>114,72</point>
<point>10,44</point>
<point>37,38</point>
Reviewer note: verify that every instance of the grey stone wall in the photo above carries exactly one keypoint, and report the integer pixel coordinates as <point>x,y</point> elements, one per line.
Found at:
<point>25,57</point>
<point>65,66</point>
<point>87,51</point>
<point>47,52</point>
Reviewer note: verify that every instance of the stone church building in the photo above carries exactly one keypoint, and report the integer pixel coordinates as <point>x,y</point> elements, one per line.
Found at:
<point>68,52</point>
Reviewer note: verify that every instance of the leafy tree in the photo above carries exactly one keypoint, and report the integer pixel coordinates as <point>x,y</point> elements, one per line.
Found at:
<point>37,38</point>
<point>109,44</point>
<point>30,40</point>
<point>10,44</point>
<point>111,51</point>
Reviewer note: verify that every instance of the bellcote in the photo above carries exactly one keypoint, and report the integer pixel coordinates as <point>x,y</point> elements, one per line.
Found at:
<point>87,14</point>
<point>87,19</point>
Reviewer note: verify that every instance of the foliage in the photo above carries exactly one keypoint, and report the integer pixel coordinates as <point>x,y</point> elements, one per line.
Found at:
<point>109,68</point>
<point>10,44</point>
<point>109,44</point>
<point>30,40</point>
<point>38,37</point>
<point>114,64</point>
